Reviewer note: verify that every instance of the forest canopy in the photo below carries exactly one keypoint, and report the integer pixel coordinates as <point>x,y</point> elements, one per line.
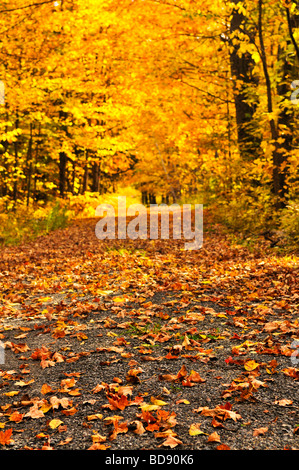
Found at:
<point>180,99</point>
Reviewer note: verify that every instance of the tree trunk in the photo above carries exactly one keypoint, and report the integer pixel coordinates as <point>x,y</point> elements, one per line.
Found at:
<point>29,166</point>
<point>95,177</point>
<point>15,184</point>
<point>62,173</point>
<point>242,70</point>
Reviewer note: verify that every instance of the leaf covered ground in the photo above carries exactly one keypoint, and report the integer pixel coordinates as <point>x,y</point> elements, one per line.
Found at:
<point>123,344</point>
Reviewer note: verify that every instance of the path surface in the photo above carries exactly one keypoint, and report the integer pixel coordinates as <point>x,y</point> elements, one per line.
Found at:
<point>141,344</point>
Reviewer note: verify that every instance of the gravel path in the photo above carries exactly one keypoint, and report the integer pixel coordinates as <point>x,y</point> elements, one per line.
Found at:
<point>142,345</point>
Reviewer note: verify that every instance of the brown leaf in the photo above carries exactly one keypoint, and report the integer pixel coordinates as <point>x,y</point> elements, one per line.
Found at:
<point>132,376</point>
<point>259,431</point>
<point>139,428</point>
<point>66,441</point>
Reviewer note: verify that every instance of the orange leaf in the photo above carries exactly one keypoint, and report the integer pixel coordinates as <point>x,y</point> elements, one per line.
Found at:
<point>171,441</point>
<point>97,438</point>
<point>283,402</point>
<point>251,365</point>
<point>214,437</point>
<point>70,412</point>
<point>259,431</point>
<point>223,447</point>
<point>98,447</point>
<point>16,417</point>
<point>195,377</point>
<point>117,402</point>
<point>153,427</point>
<point>132,375</point>
<point>46,389</point>
<point>5,436</point>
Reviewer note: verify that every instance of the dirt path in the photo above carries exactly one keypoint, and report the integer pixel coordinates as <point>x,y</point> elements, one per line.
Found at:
<point>143,345</point>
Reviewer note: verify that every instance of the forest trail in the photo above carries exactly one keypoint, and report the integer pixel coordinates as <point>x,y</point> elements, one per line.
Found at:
<point>123,344</point>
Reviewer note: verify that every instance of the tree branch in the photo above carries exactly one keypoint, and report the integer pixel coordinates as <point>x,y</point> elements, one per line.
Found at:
<point>26,6</point>
<point>291,33</point>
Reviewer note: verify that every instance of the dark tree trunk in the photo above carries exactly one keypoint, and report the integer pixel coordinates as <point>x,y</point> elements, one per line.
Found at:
<point>62,173</point>
<point>242,71</point>
<point>95,177</point>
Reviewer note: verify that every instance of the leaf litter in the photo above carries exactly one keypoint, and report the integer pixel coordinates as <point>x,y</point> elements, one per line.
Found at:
<point>124,344</point>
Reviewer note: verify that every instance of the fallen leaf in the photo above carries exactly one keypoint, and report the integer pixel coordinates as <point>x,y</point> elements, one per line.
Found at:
<point>148,407</point>
<point>34,412</point>
<point>251,365</point>
<point>5,437</point>
<point>54,423</point>
<point>171,442</point>
<point>46,389</point>
<point>16,417</point>
<point>259,431</point>
<point>21,383</point>
<point>98,447</point>
<point>283,402</point>
<point>95,416</point>
<point>11,394</point>
<point>223,447</point>
<point>195,430</point>
<point>182,400</point>
<point>155,401</point>
<point>66,441</point>
<point>214,437</point>
<point>139,428</point>
<point>132,376</point>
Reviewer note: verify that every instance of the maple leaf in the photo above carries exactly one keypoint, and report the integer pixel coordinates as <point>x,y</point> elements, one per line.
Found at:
<point>5,437</point>
<point>118,428</point>
<point>98,388</point>
<point>153,427</point>
<point>195,377</point>
<point>221,411</point>
<point>117,402</point>
<point>96,438</point>
<point>223,447</point>
<point>291,372</point>
<point>63,402</point>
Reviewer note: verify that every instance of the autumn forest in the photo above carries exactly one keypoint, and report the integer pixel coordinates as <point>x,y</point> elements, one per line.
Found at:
<point>134,344</point>
<point>183,100</point>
